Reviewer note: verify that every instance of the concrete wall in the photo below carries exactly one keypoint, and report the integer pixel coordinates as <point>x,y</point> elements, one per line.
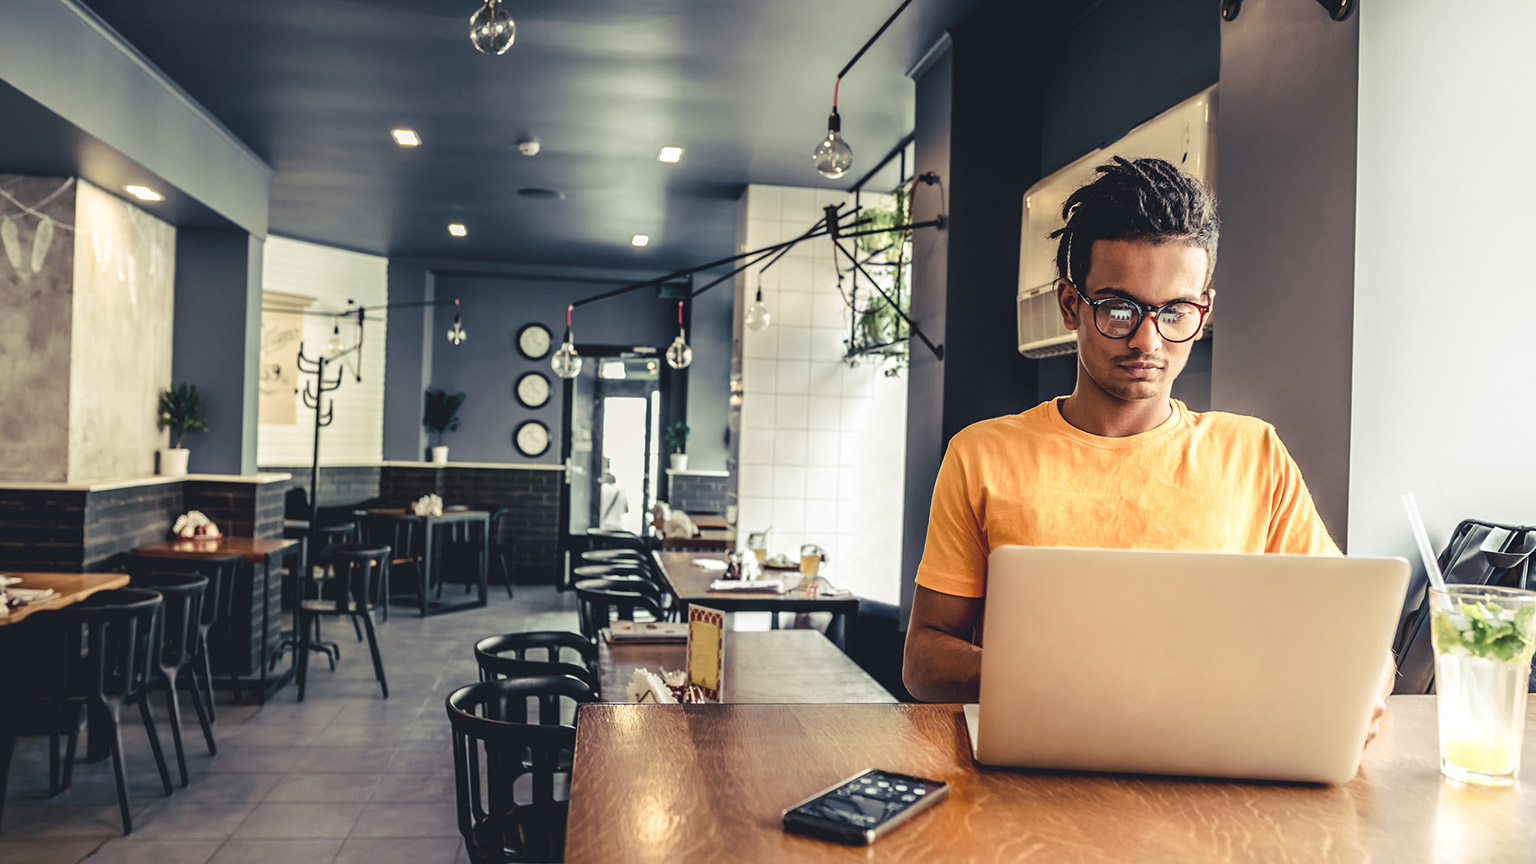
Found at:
<point>1441,404</point>
<point>35,329</point>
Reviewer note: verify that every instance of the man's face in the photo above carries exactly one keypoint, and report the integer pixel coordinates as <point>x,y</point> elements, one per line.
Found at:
<point>1143,366</point>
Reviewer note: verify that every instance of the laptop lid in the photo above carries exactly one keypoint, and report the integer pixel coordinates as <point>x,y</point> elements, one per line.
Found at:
<point>1211,664</point>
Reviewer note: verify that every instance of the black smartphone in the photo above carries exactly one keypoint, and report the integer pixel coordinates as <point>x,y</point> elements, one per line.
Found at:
<point>863,807</point>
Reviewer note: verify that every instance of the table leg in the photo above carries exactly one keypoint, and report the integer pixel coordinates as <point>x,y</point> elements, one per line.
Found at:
<point>426,565</point>
<point>485,562</point>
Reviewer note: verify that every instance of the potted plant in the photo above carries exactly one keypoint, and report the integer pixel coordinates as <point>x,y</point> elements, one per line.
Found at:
<point>181,411</point>
<point>676,436</point>
<point>441,417</point>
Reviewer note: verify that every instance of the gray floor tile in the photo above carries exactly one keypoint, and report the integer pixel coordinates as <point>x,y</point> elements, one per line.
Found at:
<point>299,821</point>
<point>418,819</point>
<point>30,820</point>
<point>344,760</point>
<point>402,788</point>
<point>278,852</point>
<point>221,788</point>
<point>186,820</point>
<point>131,850</point>
<point>307,788</point>
<point>398,850</point>
<point>428,758</point>
<point>45,851</point>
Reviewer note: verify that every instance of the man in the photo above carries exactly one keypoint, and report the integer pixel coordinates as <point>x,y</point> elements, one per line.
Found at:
<point>1119,463</point>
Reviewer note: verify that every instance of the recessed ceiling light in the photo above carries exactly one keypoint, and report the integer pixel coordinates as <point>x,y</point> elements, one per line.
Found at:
<point>639,239</point>
<point>457,229</point>
<point>406,137</point>
<point>143,193</point>
<point>670,154</point>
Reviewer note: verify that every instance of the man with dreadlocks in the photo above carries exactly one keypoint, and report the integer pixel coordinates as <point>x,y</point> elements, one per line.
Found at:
<point>1119,463</point>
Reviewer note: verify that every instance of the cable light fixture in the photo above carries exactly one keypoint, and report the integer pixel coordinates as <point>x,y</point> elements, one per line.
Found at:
<point>456,334</point>
<point>679,355</point>
<point>757,316</point>
<point>833,157</point>
<point>566,362</point>
<point>491,29</point>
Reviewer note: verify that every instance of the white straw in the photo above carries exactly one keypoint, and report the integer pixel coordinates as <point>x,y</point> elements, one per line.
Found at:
<point>1427,552</point>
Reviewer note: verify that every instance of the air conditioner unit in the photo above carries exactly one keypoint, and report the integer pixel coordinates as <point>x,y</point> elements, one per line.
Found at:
<point>1184,135</point>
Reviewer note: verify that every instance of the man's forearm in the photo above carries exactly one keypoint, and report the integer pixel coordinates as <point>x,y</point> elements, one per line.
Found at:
<point>939,667</point>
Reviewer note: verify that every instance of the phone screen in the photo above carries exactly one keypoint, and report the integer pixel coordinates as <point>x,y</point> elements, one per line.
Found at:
<point>861,807</point>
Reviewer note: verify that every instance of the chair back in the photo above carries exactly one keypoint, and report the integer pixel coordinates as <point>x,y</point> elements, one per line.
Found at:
<point>614,556</point>
<point>605,571</point>
<point>363,570</point>
<point>218,599</point>
<point>509,654</point>
<point>609,538</point>
<point>495,744</point>
<point>602,601</point>
<point>182,596</point>
<point>105,643</point>
<point>406,536</point>
<point>296,504</point>
<point>499,518</point>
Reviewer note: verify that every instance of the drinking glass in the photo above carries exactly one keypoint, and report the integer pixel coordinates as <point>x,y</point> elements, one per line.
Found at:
<point>757,541</point>
<point>1483,637</point>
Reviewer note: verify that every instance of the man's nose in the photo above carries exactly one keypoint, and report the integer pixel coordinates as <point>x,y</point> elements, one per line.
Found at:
<point>1146,339</point>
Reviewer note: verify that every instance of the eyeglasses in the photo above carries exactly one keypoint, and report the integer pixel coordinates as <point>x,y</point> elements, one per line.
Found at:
<point>1119,317</point>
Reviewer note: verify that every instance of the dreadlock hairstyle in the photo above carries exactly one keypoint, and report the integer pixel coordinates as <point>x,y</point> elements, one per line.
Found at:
<point>1143,200</point>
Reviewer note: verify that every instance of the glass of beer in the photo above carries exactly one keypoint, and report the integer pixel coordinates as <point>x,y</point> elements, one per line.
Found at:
<point>757,542</point>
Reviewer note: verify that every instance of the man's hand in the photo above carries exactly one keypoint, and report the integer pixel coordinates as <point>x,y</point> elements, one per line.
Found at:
<point>941,664</point>
<point>1388,678</point>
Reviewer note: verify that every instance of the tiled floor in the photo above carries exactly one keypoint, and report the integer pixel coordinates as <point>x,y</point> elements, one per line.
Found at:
<point>346,776</point>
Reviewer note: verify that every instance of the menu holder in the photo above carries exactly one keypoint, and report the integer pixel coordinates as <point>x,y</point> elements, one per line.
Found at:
<point>706,651</point>
<point>646,631</point>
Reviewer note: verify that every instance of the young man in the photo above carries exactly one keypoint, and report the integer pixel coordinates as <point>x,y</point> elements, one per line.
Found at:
<point>1119,463</point>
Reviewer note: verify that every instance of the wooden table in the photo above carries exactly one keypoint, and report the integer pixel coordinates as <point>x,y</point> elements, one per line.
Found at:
<point>722,539</point>
<point>690,584</point>
<point>760,667</point>
<point>707,783</point>
<point>69,588</point>
<point>431,524</point>
<point>264,552</point>
<point>709,521</point>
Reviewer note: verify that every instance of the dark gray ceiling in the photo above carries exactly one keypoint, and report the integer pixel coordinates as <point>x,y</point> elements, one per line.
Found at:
<point>314,86</point>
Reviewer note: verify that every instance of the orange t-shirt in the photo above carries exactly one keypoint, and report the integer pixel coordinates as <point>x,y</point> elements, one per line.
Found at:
<point>1200,481</point>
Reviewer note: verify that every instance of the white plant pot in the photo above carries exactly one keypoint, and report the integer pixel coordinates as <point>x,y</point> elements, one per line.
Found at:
<point>679,461</point>
<point>173,461</point>
<point>439,455</point>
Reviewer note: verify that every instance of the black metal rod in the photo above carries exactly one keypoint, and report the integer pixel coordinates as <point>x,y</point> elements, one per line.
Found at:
<point>899,10</point>
<point>776,255</point>
<point>898,150</point>
<point>353,312</point>
<point>938,350</point>
<point>931,223</point>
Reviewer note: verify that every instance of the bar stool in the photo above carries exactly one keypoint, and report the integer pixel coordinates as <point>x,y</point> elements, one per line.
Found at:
<point>182,609</point>
<point>94,655</point>
<point>218,604</point>
<point>362,572</point>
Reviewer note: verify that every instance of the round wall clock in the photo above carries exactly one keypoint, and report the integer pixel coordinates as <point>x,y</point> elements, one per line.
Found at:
<point>533,341</point>
<point>533,389</point>
<point>531,438</point>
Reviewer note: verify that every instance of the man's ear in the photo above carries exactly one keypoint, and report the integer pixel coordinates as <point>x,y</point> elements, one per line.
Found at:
<point>1069,303</point>
<point>1210,300</point>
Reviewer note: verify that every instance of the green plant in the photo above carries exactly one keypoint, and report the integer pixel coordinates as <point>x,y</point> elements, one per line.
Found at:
<point>181,411</point>
<point>676,435</point>
<point>441,414</point>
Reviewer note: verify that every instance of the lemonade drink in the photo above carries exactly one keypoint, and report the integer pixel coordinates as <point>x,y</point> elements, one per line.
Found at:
<point>1484,638</point>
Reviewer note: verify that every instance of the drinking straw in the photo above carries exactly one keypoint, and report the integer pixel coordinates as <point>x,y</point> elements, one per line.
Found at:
<point>1427,552</point>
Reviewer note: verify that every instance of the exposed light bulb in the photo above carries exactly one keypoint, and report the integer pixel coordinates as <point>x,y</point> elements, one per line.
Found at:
<point>457,335</point>
<point>833,157</point>
<point>334,346</point>
<point>679,355</point>
<point>491,29</point>
<point>757,316</point>
<point>566,362</point>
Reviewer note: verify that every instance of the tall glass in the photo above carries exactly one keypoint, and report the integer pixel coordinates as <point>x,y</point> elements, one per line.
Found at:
<point>757,543</point>
<point>1484,637</point>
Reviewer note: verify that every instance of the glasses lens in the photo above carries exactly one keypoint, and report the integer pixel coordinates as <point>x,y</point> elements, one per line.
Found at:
<point>1178,322</point>
<point>1117,318</point>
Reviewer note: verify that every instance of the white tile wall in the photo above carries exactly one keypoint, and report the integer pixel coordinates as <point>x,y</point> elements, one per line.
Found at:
<point>823,444</point>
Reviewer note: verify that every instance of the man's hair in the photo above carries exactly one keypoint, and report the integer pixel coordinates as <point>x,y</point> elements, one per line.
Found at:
<point>1141,200</point>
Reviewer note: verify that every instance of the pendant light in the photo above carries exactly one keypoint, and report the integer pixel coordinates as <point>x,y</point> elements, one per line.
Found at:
<point>566,362</point>
<point>757,316</point>
<point>491,29</point>
<point>334,346</point>
<point>833,157</point>
<point>456,335</point>
<point>679,355</point>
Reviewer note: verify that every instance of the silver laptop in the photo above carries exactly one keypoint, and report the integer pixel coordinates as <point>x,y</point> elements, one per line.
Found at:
<point>1259,667</point>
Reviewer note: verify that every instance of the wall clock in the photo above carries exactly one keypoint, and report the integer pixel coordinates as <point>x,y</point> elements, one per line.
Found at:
<point>533,389</point>
<point>531,438</point>
<point>533,341</point>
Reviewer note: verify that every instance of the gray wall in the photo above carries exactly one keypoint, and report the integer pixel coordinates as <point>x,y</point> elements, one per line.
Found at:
<point>217,343</point>
<point>1286,271</point>
<point>1443,286</point>
<point>408,360</point>
<point>709,378</point>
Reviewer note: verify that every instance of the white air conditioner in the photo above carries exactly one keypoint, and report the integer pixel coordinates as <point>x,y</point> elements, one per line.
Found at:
<point>1184,135</point>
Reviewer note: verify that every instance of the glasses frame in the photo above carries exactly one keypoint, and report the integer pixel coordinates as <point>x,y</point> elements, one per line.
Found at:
<point>1141,315</point>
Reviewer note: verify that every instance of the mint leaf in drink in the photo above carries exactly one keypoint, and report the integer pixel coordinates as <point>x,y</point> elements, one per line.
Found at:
<point>1486,630</point>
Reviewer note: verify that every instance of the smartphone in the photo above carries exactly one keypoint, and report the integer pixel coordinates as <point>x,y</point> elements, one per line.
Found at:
<point>860,809</point>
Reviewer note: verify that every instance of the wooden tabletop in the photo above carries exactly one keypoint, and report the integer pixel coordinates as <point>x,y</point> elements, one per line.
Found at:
<point>708,782</point>
<point>447,515</point>
<point>714,539</point>
<point>68,588</point>
<point>760,667</point>
<point>709,521</point>
<point>254,550</point>
<point>691,585</point>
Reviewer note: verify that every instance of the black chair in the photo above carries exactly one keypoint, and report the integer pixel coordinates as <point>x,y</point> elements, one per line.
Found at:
<point>876,643</point>
<point>361,572</point>
<point>492,718</point>
<point>519,655</point>
<point>602,601</point>
<point>181,612</point>
<point>614,556</point>
<point>406,537</point>
<point>222,572</point>
<point>608,538</point>
<point>93,655</point>
<point>501,548</point>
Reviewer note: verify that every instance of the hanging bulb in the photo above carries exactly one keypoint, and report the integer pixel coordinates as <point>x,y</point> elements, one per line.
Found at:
<point>679,355</point>
<point>833,156</point>
<point>491,29</point>
<point>334,346</point>
<point>758,317</point>
<point>566,362</point>
<point>457,335</point>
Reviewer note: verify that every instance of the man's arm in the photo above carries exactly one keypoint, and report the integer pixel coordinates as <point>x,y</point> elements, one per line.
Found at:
<point>940,663</point>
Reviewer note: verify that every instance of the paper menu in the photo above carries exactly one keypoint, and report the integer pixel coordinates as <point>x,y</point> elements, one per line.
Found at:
<point>706,650</point>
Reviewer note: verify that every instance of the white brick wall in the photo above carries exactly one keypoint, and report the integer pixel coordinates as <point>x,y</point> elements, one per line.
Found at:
<point>823,445</point>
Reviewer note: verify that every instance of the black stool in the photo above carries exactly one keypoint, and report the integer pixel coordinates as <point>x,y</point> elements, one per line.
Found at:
<point>361,574</point>
<point>181,612</point>
<point>94,655</point>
